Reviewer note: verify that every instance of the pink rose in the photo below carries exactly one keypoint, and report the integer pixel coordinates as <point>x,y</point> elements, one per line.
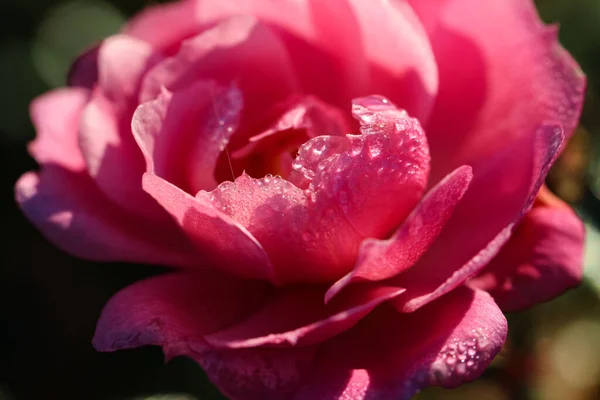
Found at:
<point>333,266</point>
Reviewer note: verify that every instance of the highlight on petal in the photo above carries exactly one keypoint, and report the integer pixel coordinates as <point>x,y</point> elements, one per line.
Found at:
<point>402,65</point>
<point>175,312</point>
<point>122,62</point>
<point>70,211</point>
<point>195,123</point>
<point>502,96</point>
<point>55,116</point>
<point>484,220</point>
<point>382,259</point>
<point>234,50</point>
<point>543,258</point>
<point>164,26</point>
<point>223,242</point>
<point>393,355</point>
<point>328,58</point>
<point>377,177</point>
<point>112,157</point>
<point>298,317</point>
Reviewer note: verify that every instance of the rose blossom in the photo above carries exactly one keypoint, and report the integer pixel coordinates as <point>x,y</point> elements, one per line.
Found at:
<point>347,186</point>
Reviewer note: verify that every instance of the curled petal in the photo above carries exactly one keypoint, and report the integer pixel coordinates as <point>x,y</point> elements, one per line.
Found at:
<point>382,259</point>
<point>543,258</point>
<point>394,355</point>
<point>194,123</point>
<point>171,311</point>
<point>220,239</point>
<point>376,178</point>
<point>306,242</point>
<point>71,212</point>
<point>164,26</point>
<point>298,317</point>
<point>55,116</point>
<point>474,233</point>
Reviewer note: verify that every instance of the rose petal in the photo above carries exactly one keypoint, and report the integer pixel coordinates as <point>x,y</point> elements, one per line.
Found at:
<point>71,212</point>
<point>298,317</point>
<point>543,258</point>
<point>390,355</point>
<point>176,311</point>
<point>55,116</point>
<point>182,134</point>
<point>328,58</point>
<point>483,221</point>
<point>112,156</point>
<point>402,65</point>
<point>509,72</point>
<point>122,61</point>
<point>303,118</point>
<point>306,242</point>
<point>219,238</point>
<point>113,159</point>
<point>164,26</point>
<point>379,176</point>
<point>84,70</point>
<point>235,50</point>
<point>383,259</point>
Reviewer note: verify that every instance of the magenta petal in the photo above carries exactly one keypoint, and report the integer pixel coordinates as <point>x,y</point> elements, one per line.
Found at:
<point>225,242</point>
<point>72,213</point>
<point>378,177</point>
<point>298,317</point>
<point>164,26</point>
<point>402,65</point>
<point>171,311</point>
<point>328,58</point>
<point>543,258</point>
<point>176,311</point>
<point>55,116</point>
<point>509,72</point>
<point>307,242</point>
<point>234,50</point>
<point>122,61</point>
<point>393,355</point>
<point>382,259</point>
<point>194,123</point>
<point>474,233</point>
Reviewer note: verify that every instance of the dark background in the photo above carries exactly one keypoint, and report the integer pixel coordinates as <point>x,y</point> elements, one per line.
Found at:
<point>49,302</point>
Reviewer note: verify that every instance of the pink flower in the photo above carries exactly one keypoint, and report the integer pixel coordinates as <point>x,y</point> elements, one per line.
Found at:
<point>368,265</point>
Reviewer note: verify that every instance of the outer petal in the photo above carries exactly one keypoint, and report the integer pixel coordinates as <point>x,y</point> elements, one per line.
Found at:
<point>328,58</point>
<point>402,66</point>
<point>236,49</point>
<point>484,219</point>
<point>220,239</point>
<point>84,70</point>
<point>70,211</point>
<point>172,312</point>
<point>298,317</point>
<point>382,259</point>
<point>182,134</point>
<point>543,258</point>
<point>112,156</point>
<point>56,119</point>
<point>392,356</point>
<point>508,71</point>
<point>164,26</point>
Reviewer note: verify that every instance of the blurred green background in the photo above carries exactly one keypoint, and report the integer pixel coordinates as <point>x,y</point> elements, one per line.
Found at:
<point>49,302</point>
